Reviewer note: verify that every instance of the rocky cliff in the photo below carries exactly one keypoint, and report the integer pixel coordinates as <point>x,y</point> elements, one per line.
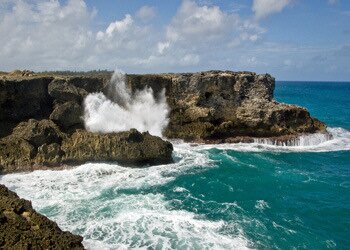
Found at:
<point>21,227</point>
<point>226,106</point>
<point>213,106</point>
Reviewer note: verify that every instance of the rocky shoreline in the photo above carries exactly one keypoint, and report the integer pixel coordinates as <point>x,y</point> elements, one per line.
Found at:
<point>42,127</point>
<point>21,227</point>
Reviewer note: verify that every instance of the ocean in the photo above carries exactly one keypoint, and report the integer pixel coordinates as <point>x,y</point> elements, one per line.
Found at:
<point>227,196</point>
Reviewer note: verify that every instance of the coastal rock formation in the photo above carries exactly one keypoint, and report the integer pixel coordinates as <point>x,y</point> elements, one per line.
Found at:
<point>131,147</point>
<point>212,106</point>
<point>23,98</point>
<point>67,115</point>
<point>40,144</point>
<point>21,227</point>
<point>224,105</point>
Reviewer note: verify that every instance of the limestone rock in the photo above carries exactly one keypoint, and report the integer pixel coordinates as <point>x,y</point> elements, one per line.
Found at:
<point>215,105</point>
<point>21,227</point>
<point>24,98</point>
<point>40,145</point>
<point>37,133</point>
<point>15,155</point>
<point>129,147</point>
<point>67,114</point>
<point>61,91</point>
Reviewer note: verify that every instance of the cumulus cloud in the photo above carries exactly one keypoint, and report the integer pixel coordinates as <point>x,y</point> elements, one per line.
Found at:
<point>146,13</point>
<point>50,35</point>
<point>263,8</point>
<point>207,27</point>
<point>45,34</point>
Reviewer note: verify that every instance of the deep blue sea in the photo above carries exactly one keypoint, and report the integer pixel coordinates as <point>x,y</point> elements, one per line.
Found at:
<point>228,196</point>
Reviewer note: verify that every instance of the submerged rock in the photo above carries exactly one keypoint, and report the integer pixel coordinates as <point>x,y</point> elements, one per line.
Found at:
<point>21,227</point>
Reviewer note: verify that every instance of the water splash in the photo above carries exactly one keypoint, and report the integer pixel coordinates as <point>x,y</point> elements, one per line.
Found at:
<point>338,139</point>
<point>122,110</point>
<point>301,141</point>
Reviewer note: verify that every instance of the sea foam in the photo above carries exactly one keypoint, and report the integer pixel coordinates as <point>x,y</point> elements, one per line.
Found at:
<point>121,110</point>
<point>338,140</point>
<point>112,206</point>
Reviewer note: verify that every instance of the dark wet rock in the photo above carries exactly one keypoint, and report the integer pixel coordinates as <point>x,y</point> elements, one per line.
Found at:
<point>130,147</point>
<point>67,115</point>
<point>22,98</point>
<point>21,227</point>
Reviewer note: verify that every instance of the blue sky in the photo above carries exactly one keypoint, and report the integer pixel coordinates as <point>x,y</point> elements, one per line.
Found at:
<point>291,39</point>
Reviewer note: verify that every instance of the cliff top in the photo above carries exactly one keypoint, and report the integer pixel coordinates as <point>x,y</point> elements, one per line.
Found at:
<point>27,74</point>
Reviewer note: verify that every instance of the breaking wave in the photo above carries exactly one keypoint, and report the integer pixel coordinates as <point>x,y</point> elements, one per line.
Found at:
<point>114,207</point>
<point>338,139</point>
<point>123,110</point>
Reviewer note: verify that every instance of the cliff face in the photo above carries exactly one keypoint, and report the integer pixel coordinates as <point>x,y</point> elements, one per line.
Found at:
<point>213,105</point>
<point>226,106</point>
<point>21,227</point>
<point>56,136</point>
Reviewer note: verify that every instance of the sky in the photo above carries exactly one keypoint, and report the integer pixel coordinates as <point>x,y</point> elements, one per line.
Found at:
<point>290,39</point>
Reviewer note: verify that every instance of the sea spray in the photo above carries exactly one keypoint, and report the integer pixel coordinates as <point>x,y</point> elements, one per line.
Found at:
<point>121,110</point>
<point>301,140</point>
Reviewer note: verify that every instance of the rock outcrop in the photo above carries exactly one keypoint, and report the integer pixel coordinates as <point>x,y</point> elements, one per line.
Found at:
<point>131,148</point>
<point>213,106</point>
<point>21,227</point>
<point>224,106</point>
<point>40,144</point>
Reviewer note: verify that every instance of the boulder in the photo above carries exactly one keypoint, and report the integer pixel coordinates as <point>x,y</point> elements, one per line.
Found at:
<point>37,132</point>
<point>21,227</point>
<point>62,92</point>
<point>41,145</point>
<point>130,147</point>
<point>67,114</point>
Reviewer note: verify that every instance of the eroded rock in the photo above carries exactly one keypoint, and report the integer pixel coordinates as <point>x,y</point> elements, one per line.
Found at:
<point>131,147</point>
<point>41,145</point>
<point>67,115</point>
<point>214,105</point>
<point>21,227</point>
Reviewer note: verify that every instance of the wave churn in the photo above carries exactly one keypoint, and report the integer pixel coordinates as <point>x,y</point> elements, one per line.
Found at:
<point>123,110</point>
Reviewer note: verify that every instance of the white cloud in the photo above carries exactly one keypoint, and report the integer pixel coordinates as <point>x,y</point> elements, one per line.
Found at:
<point>45,34</point>
<point>263,8</point>
<point>117,27</point>
<point>146,13</point>
<point>202,29</point>
<point>48,35</point>
<point>332,2</point>
<point>51,35</point>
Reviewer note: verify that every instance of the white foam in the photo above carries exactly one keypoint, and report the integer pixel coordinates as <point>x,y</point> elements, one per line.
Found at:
<point>339,140</point>
<point>113,207</point>
<point>300,141</point>
<point>124,110</point>
<point>261,205</point>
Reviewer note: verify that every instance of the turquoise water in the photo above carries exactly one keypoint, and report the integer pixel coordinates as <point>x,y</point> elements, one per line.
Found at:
<point>214,196</point>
